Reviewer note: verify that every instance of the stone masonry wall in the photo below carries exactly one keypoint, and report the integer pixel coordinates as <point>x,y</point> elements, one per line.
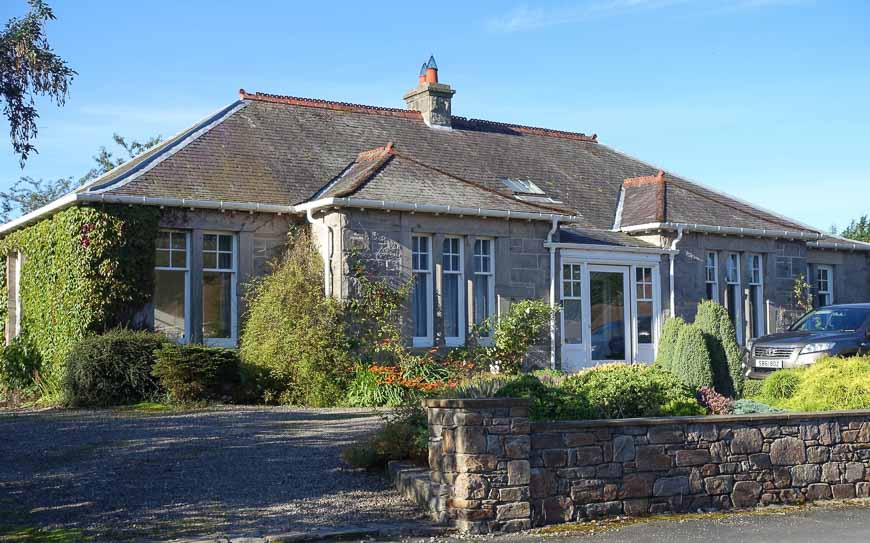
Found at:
<point>502,473</point>
<point>479,459</point>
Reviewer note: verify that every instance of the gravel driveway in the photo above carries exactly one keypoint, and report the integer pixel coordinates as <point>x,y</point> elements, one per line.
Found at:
<point>137,476</point>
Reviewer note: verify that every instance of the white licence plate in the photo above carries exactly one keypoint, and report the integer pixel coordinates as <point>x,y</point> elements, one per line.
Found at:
<point>761,363</point>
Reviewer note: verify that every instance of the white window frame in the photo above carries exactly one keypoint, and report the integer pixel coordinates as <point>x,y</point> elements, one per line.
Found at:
<point>757,281</point>
<point>186,269</point>
<point>455,341</point>
<point>715,273</point>
<point>18,265</point>
<point>490,272</point>
<point>644,352</point>
<point>578,292</point>
<point>233,340</point>
<point>428,339</point>
<point>829,292</point>
<point>738,299</point>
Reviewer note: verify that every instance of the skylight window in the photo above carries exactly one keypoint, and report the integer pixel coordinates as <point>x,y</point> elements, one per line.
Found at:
<point>522,186</point>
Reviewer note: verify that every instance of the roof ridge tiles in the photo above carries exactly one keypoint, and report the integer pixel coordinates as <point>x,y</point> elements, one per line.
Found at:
<point>415,115</point>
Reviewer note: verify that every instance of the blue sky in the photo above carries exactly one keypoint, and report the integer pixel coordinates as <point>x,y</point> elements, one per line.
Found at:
<point>765,99</point>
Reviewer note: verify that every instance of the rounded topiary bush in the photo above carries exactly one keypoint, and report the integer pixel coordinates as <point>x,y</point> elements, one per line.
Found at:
<point>781,385</point>
<point>725,353</point>
<point>691,360</point>
<point>668,342</point>
<point>112,369</point>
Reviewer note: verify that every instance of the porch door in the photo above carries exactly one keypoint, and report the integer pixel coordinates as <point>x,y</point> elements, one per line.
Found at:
<point>609,317</point>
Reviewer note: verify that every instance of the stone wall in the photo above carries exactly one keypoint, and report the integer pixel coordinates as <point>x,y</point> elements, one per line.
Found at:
<point>502,472</point>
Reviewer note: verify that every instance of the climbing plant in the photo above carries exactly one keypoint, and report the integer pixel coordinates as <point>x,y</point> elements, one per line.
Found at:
<point>86,269</point>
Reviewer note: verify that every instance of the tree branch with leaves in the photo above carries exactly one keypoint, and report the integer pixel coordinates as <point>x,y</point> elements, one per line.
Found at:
<point>29,68</point>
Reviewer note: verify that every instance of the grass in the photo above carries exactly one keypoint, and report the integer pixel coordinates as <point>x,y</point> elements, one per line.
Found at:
<point>145,407</point>
<point>828,385</point>
<point>31,534</point>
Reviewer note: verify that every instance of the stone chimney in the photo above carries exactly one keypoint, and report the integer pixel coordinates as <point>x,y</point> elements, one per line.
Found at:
<point>431,98</point>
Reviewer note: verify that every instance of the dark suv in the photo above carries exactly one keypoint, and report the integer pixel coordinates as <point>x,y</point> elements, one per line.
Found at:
<point>835,330</point>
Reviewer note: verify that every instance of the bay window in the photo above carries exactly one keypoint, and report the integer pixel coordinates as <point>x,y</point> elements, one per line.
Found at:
<point>483,285</point>
<point>219,289</point>
<point>453,293</point>
<point>171,290</point>
<point>711,271</point>
<point>756,296</point>
<point>421,297</point>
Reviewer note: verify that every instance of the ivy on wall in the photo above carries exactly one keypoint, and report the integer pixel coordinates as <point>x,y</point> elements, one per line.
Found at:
<point>86,269</point>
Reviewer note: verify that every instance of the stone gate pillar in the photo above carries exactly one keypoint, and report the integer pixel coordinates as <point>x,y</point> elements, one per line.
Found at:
<point>479,451</point>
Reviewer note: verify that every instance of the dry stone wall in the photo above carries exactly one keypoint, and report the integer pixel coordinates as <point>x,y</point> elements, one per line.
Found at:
<point>499,472</point>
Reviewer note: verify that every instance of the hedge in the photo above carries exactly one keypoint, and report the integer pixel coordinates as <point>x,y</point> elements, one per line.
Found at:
<point>86,269</point>
<point>668,341</point>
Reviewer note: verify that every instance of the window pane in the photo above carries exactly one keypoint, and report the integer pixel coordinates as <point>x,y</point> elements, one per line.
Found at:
<point>566,289</point>
<point>169,302</point>
<point>607,299</point>
<point>644,322</point>
<point>573,320</point>
<point>482,303</point>
<point>731,300</point>
<point>162,240</point>
<point>161,259</point>
<point>225,260</point>
<point>216,304</point>
<point>209,242</point>
<point>225,243</point>
<point>420,302</point>
<point>179,241</point>
<point>209,260</point>
<point>451,305</point>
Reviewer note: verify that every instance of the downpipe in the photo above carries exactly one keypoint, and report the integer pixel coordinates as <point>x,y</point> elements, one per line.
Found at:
<point>327,258</point>
<point>552,292</point>
<point>672,256</point>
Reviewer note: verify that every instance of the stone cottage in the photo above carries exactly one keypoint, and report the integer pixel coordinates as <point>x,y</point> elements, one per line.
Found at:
<point>479,213</point>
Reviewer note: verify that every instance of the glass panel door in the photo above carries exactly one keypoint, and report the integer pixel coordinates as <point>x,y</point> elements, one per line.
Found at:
<point>609,316</point>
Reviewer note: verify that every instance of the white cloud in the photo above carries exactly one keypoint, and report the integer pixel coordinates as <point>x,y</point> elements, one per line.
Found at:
<point>523,17</point>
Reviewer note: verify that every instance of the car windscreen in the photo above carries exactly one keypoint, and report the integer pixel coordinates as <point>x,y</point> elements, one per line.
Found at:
<point>842,319</point>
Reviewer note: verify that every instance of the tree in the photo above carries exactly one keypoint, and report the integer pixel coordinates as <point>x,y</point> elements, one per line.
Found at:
<point>29,68</point>
<point>668,342</point>
<point>859,230</point>
<point>29,194</point>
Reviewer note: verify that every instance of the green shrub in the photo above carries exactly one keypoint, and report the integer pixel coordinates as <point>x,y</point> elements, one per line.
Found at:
<point>20,363</point>
<point>404,436</point>
<point>781,385</point>
<point>192,373</point>
<point>369,389</point>
<point>668,342</point>
<point>516,332</point>
<point>296,335</point>
<point>748,407</point>
<point>482,385</point>
<point>725,353</point>
<point>551,377</point>
<point>112,369</point>
<point>548,403</point>
<point>752,388</point>
<point>829,384</point>
<point>632,390</point>
<point>691,359</point>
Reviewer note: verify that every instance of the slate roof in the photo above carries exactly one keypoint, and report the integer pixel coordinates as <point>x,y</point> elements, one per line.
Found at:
<point>588,236</point>
<point>283,150</point>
